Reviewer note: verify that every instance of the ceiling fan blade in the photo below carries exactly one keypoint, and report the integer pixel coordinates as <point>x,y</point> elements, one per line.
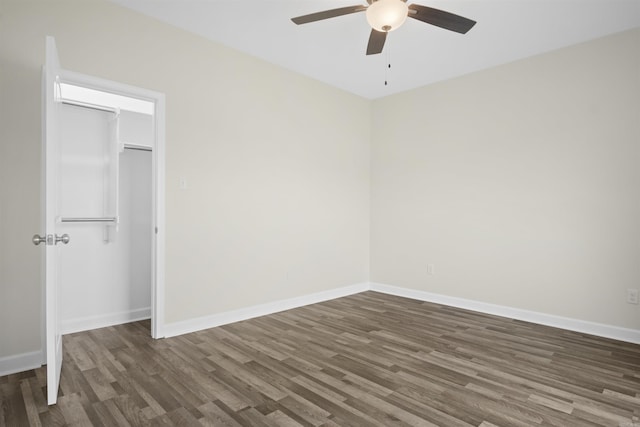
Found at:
<point>326,14</point>
<point>440,18</point>
<point>376,42</point>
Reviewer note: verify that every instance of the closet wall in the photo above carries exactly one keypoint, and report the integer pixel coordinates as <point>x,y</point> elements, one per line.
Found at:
<point>105,270</point>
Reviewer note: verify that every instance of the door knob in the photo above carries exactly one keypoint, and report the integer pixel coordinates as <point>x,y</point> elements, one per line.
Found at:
<point>64,239</point>
<point>38,239</point>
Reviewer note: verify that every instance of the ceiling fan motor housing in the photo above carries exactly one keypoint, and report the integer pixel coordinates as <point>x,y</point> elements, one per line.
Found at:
<point>387,15</point>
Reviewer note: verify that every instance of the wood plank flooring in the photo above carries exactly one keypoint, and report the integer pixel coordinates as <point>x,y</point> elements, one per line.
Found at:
<point>364,360</point>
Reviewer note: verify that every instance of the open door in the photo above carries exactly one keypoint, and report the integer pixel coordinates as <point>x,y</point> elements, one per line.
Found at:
<point>51,239</point>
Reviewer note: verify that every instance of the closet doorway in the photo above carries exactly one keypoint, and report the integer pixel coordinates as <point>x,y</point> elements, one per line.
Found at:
<point>105,206</point>
<point>109,204</point>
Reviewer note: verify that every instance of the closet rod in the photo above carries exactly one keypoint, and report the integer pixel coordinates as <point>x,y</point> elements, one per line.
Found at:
<point>88,105</point>
<point>137,147</point>
<point>97,219</point>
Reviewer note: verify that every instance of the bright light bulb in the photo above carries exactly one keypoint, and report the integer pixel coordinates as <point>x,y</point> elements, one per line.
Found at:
<point>387,15</point>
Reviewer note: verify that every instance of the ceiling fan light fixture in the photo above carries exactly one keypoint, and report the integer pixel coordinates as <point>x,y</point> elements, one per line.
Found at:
<point>387,15</point>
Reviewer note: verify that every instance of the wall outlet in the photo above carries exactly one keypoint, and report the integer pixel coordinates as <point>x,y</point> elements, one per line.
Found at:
<point>183,183</point>
<point>430,269</point>
<point>632,296</point>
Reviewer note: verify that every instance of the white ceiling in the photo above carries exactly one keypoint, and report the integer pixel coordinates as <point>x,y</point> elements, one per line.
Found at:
<point>333,50</point>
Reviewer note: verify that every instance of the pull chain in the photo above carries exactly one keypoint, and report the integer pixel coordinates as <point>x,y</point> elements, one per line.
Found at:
<point>387,68</point>
<point>386,78</point>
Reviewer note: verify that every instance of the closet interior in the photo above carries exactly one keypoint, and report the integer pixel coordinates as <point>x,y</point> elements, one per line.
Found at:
<point>105,206</point>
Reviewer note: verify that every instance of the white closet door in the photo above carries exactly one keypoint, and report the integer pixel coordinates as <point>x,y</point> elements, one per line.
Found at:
<point>50,173</point>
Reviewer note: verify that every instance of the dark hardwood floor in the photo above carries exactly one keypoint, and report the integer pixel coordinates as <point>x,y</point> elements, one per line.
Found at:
<point>364,360</point>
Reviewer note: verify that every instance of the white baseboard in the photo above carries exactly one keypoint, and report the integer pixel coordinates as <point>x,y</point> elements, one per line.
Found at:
<point>20,362</point>
<point>206,322</point>
<point>104,320</point>
<point>26,361</point>
<point>583,326</point>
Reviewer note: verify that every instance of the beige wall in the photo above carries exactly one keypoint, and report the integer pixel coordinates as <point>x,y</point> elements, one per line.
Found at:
<point>520,184</point>
<point>277,164</point>
<point>20,290</point>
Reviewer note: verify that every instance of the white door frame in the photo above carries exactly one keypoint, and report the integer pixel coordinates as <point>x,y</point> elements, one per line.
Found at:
<point>158,182</point>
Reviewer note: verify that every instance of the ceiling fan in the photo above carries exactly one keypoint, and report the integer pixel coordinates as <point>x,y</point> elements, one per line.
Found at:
<point>388,15</point>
